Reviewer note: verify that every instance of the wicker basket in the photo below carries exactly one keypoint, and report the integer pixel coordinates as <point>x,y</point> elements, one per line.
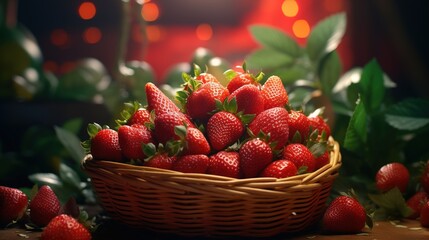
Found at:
<point>208,205</point>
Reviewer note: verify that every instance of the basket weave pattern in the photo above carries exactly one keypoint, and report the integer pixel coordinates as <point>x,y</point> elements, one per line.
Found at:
<point>209,205</point>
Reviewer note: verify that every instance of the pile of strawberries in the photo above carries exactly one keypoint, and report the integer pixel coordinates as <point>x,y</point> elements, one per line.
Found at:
<point>43,211</point>
<point>242,130</point>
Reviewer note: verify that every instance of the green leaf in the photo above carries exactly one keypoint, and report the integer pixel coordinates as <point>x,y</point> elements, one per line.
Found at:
<point>268,59</point>
<point>275,39</point>
<point>357,129</point>
<point>69,176</point>
<point>329,72</point>
<point>46,179</point>
<point>410,114</point>
<point>72,144</point>
<point>392,204</point>
<point>73,125</point>
<point>326,36</point>
<point>371,87</point>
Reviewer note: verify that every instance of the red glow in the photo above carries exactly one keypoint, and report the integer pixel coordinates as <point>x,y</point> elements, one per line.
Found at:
<point>59,37</point>
<point>92,35</point>
<point>87,10</point>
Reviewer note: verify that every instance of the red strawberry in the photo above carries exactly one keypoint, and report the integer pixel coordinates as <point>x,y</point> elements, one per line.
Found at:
<point>65,227</point>
<point>141,116</point>
<point>191,163</point>
<point>161,161</point>
<point>131,139</point>
<point>158,101</point>
<point>249,99</point>
<point>13,203</point>
<point>322,160</point>
<point>201,103</point>
<point>206,77</point>
<point>344,215</point>
<point>416,203</point>
<point>273,121</point>
<point>103,143</point>
<point>300,155</point>
<point>424,215</point>
<point>274,93</point>
<point>192,140</point>
<point>392,175</point>
<point>223,129</point>
<point>298,123</point>
<point>317,122</point>
<point>44,206</point>
<point>240,78</point>
<point>255,155</point>
<point>424,179</point>
<point>225,163</point>
<point>280,169</point>
<point>164,125</point>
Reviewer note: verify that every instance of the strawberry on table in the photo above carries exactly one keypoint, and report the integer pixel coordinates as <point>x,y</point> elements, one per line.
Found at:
<point>225,163</point>
<point>65,227</point>
<point>424,178</point>
<point>392,175</point>
<point>44,206</point>
<point>13,203</point>
<point>300,155</point>
<point>416,202</point>
<point>274,93</point>
<point>103,143</point>
<point>131,139</point>
<point>191,163</point>
<point>424,215</point>
<point>280,169</point>
<point>255,155</point>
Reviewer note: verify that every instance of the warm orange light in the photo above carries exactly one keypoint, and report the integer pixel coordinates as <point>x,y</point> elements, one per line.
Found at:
<point>290,8</point>
<point>92,35</point>
<point>150,12</point>
<point>87,10</point>
<point>301,28</point>
<point>59,37</point>
<point>153,33</point>
<point>204,32</point>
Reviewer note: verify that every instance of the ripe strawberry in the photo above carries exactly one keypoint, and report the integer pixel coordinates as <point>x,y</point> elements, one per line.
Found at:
<point>13,203</point>
<point>317,122</point>
<point>225,163</point>
<point>191,163</point>
<point>192,141</point>
<point>424,178</point>
<point>223,129</point>
<point>274,93</point>
<point>416,203</point>
<point>255,155</point>
<point>249,99</point>
<point>298,123</point>
<point>202,102</point>
<point>238,79</point>
<point>280,169</point>
<point>131,139</point>
<point>103,143</point>
<point>141,116</point>
<point>44,206</point>
<point>158,101</point>
<point>273,121</point>
<point>65,227</point>
<point>206,77</point>
<point>424,215</point>
<point>164,125</point>
<point>344,215</point>
<point>392,175</point>
<point>161,161</point>
<point>322,160</point>
<point>300,155</point>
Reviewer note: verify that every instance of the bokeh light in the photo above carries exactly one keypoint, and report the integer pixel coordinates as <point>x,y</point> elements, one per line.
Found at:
<point>150,12</point>
<point>59,37</point>
<point>92,35</point>
<point>301,28</point>
<point>87,10</point>
<point>153,33</point>
<point>204,32</point>
<point>290,8</point>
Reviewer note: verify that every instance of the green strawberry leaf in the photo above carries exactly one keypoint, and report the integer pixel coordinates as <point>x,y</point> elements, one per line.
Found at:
<point>180,131</point>
<point>410,114</point>
<point>371,87</point>
<point>268,59</point>
<point>329,72</point>
<point>326,36</point>
<point>356,130</point>
<point>275,39</point>
<point>149,149</point>
<point>318,149</point>
<point>392,205</point>
<point>71,143</point>
<point>69,177</point>
<point>230,74</point>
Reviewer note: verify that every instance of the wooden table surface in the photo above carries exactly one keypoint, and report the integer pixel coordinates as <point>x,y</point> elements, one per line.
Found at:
<point>408,229</point>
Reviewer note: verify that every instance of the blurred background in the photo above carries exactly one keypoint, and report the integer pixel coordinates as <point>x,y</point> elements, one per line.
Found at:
<point>68,63</point>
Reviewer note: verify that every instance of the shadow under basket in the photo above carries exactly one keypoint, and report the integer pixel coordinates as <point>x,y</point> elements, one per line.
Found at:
<point>189,204</point>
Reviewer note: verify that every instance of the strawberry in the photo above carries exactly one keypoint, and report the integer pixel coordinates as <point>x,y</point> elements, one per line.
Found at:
<point>424,215</point>
<point>131,139</point>
<point>416,202</point>
<point>202,102</point>
<point>255,155</point>
<point>298,124</point>
<point>225,163</point>
<point>161,157</point>
<point>191,163</point>
<point>317,122</point>
<point>280,169</point>
<point>424,178</point>
<point>223,129</point>
<point>322,160</point>
<point>141,116</point>
<point>158,101</point>
<point>239,79</point>
<point>273,121</point>
<point>274,93</point>
<point>206,77</point>
<point>344,215</point>
<point>44,206</point>
<point>13,203</point>
<point>103,143</point>
<point>300,155</point>
<point>192,140</point>
<point>65,227</point>
<point>392,175</point>
<point>164,125</point>
<point>133,113</point>
<point>249,99</point>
